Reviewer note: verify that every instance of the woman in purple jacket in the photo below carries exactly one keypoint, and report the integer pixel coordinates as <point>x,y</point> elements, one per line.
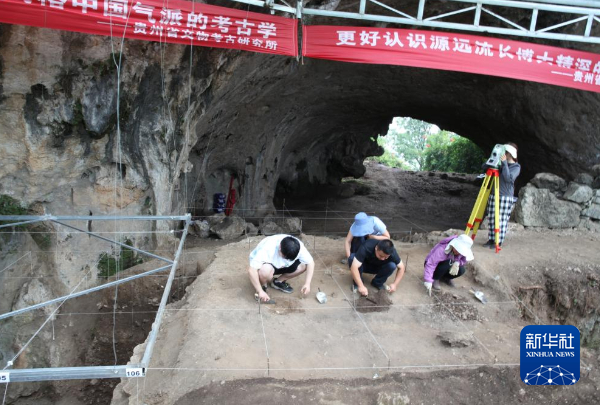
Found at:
<point>446,261</point>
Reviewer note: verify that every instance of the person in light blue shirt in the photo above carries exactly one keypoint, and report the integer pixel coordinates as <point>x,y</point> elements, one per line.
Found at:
<point>364,227</point>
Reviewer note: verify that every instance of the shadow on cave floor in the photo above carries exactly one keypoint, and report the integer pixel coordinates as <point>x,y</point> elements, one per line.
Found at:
<point>405,201</point>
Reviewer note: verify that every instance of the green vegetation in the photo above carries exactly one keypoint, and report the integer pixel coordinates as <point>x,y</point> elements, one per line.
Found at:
<point>40,233</point>
<point>147,208</point>
<point>77,113</point>
<point>449,152</point>
<point>417,145</point>
<point>109,265</point>
<point>10,206</point>
<point>390,157</point>
<point>103,67</point>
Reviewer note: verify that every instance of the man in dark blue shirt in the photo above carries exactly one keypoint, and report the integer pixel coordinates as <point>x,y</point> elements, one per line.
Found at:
<point>377,257</point>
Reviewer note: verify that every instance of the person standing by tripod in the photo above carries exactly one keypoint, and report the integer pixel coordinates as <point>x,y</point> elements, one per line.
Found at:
<point>509,171</point>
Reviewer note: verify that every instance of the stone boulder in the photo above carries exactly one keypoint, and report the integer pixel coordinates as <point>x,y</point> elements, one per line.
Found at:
<point>215,219</point>
<point>200,229</point>
<point>589,224</point>
<point>229,227</point>
<point>596,183</point>
<point>585,179</point>
<point>549,181</point>
<point>596,170</point>
<point>578,193</point>
<point>251,229</point>
<point>289,225</point>
<point>541,208</point>
<point>593,211</point>
<point>269,227</point>
<point>292,225</point>
<point>456,339</point>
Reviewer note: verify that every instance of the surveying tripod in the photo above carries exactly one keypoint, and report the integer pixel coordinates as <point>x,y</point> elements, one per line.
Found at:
<point>490,181</point>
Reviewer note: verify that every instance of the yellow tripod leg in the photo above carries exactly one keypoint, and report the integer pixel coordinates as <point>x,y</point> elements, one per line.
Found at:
<point>479,207</point>
<point>497,211</point>
<point>481,210</point>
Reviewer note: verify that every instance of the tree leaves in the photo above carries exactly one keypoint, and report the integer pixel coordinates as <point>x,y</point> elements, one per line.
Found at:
<point>423,146</point>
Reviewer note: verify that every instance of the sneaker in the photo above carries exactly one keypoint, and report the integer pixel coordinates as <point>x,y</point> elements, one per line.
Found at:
<point>282,286</point>
<point>354,288</point>
<point>449,281</point>
<point>344,261</point>
<point>436,285</point>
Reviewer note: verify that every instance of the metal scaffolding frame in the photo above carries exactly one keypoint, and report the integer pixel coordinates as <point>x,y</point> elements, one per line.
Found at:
<point>95,372</point>
<point>587,11</point>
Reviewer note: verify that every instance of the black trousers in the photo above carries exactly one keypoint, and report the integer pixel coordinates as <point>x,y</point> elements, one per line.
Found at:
<point>443,270</point>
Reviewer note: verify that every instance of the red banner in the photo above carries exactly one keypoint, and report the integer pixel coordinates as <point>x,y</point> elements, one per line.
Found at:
<point>176,21</point>
<point>457,52</point>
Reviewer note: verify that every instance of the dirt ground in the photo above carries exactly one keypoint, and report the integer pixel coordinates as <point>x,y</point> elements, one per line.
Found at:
<point>407,202</point>
<point>217,345</point>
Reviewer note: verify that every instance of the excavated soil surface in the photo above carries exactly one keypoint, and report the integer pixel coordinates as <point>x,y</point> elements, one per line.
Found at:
<point>217,345</point>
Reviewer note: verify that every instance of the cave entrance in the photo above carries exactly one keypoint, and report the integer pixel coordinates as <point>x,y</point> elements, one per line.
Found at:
<point>423,180</point>
<point>416,145</point>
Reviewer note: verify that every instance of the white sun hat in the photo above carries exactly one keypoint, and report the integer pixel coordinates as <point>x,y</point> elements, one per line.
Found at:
<point>463,245</point>
<point>512,150</point>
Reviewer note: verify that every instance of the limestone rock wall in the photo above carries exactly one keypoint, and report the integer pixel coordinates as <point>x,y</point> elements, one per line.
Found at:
<point>548,202</point>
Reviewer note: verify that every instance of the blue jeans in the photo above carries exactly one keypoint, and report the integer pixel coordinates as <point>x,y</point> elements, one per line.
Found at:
<point>381,272</point>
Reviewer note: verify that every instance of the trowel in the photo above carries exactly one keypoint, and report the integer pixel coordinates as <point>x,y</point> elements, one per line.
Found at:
<point>479,295</point>
<point>270,302</point>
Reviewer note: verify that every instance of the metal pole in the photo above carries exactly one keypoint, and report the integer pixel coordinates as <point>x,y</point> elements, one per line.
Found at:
<point>68,373</point>
<point>421,10</point>
<point>115,242</point>
<point>92,218</point>
<point>163,303</point>
<point>20,223</point>
<point>582,7</point>
<point>71,373</point>
<point>477,15</point>
<point>454,26</point>
<point>588,27</point>
<point>534,17</point>
<point>84,292</point>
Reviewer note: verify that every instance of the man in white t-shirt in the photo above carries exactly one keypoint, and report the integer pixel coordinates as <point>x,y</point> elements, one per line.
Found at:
<point>281,255</point>
<point>364,227</point>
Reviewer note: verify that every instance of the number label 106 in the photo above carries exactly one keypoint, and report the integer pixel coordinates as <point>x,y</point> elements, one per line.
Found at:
<point>135,372</point>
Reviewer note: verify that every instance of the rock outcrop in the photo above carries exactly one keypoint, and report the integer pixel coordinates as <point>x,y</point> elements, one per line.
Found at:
<point>547,202</point>
<point>541,208</point>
